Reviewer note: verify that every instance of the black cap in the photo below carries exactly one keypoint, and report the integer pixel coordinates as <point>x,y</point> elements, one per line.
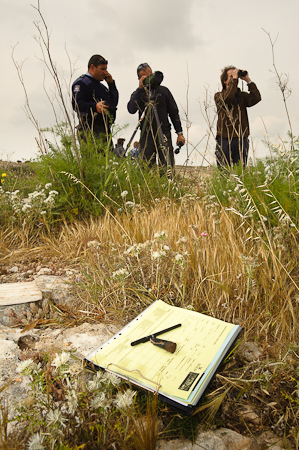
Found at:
<point>141,67</point>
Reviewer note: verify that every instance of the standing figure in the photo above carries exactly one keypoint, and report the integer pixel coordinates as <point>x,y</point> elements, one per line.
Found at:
<point>150,138</point>
<point>232,124</point>
<point>94,103</point>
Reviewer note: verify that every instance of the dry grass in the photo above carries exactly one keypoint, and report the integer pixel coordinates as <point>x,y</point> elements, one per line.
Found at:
<point>228,270</point>
<point>231,273</point>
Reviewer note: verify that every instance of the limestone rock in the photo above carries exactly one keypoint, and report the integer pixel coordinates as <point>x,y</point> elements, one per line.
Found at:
<point>249,415</point>
<point>44,271</point>
<point>271,442</point>
<point>250,351</point>
<point>235,441</point>
<point>208,440</point>
<point>176,444</point>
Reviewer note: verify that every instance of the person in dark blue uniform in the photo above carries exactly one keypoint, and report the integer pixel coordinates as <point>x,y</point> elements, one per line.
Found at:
<point>94,103</point>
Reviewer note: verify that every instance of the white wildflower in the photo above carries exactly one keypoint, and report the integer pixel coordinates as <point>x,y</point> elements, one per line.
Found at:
<point>94,244</point>
<point>121,273</point>
<point>55,418</point>
<point>48,185</point>
<point>26,207</point>
<point>94,384</point>
<point>61,359</point>
<point>75,367</point>
<point>125,400</point>
<point>166,247</point>
<point>100,401</point>
<point>160,235</point>
<point>53,193</point>
<point>43,212</point>
<point>111,378</point>
<point>190,307</point>
<point>129,250</point>
<point>26,367</point>
<point>156,255</point>
<point>124,194</point>
<point>182,240</point>
<point>36,442</point>
<point>178,257</point>
<point>72,402</point>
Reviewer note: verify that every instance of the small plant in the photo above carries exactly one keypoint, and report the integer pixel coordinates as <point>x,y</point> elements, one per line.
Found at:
<point>68,407</point>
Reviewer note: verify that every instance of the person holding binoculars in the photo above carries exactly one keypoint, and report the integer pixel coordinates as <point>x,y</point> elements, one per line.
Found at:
<point>232,125</point>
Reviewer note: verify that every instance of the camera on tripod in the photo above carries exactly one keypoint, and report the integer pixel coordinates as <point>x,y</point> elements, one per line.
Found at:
<point>153,81</point>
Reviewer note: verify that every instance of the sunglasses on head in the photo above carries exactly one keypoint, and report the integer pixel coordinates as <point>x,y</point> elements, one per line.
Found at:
<point>142,66</point>
<point>102,62</point>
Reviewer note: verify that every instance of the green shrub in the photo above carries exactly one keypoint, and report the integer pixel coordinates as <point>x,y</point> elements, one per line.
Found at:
<point>267,191</point>
<point>91,178</point>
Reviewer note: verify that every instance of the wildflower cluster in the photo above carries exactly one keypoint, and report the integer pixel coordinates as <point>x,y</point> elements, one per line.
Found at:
<point>120,274</point>
<point>38,203</point>
<point>70,399</point>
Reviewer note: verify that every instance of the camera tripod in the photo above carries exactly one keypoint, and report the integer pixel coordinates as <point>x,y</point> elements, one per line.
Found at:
<point>161,138</point>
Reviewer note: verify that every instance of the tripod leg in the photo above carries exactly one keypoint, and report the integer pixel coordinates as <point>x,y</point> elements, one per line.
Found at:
<point>163,144</point>
<point>136,129</point>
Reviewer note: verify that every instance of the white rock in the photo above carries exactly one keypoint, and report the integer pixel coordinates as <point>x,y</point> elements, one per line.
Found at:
<point>69,273</point>
<point>176,444</point>
<point>235,441</point>
<point>44,271</point>
<point>209,441</point>
<point>14,269</point>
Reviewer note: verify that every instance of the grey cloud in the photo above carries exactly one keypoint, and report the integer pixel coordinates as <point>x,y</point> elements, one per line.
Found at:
<point>127,27</point>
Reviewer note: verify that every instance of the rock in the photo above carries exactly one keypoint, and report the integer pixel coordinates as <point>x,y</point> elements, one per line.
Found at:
<point>250,351</point>
<point>271,442</point>
<point>84,339</point>
<point>235,441</point>
<point>44,271</point>
<point>249,415</point>
<point>56,288</point>
<point>176,444</point>
<point>221,439</point>
<point>16,385</point>
<point>14,269</point>
<point>208,440</point>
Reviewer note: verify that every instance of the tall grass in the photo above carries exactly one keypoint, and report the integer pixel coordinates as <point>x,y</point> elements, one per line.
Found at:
<point>232,256</point>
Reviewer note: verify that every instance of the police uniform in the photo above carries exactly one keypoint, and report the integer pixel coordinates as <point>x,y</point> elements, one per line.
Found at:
<point>86,93</point>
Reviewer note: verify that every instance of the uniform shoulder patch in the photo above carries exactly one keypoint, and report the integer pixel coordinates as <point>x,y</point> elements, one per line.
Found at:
<point>77,88</point>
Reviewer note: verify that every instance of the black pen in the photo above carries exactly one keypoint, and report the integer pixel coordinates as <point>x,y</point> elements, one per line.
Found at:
<point>147,338</point>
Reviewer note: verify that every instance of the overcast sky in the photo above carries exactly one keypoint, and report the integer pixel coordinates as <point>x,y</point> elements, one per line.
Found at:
<point>190,42</point>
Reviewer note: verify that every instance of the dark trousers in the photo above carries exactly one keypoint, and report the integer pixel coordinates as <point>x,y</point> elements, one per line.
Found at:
<point>231,151</point>
<point>150,147</point>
